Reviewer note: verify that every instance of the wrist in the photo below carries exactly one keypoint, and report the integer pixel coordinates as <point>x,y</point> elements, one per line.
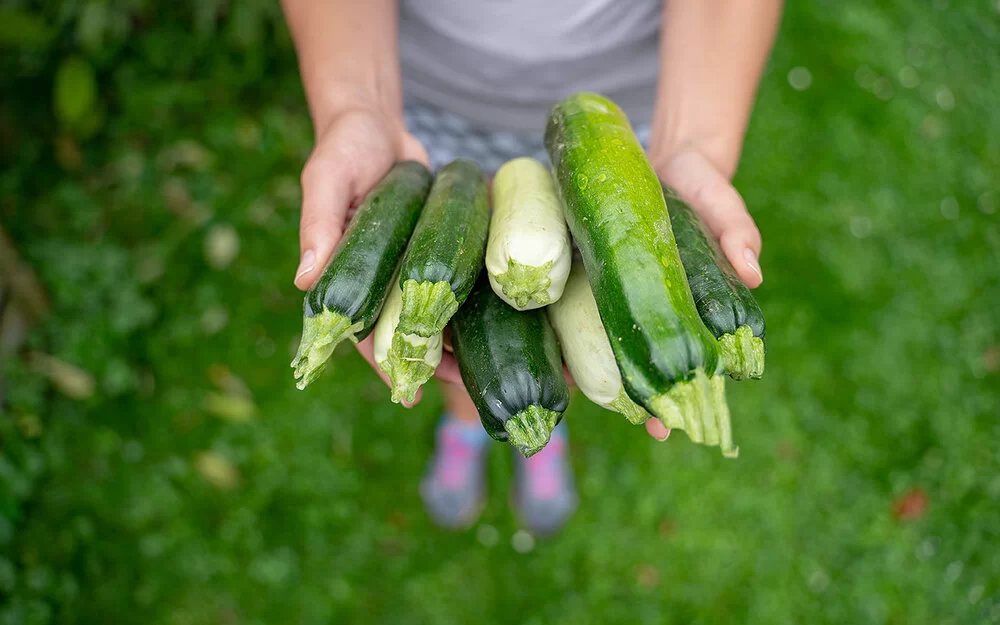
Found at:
<point>722,150</point>
<point>337,98</point>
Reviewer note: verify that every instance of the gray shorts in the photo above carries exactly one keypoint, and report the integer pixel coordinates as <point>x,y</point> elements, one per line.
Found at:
<point>447,136</point>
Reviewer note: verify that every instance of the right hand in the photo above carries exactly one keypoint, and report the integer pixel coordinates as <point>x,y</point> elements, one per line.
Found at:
<point>353,152</point>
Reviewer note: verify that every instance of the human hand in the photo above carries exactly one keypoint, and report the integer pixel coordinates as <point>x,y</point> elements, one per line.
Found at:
<point>353,152</point>
<point>705,188</point>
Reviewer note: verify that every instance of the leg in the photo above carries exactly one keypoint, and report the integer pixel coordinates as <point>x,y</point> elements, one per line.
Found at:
<point>454,488</point>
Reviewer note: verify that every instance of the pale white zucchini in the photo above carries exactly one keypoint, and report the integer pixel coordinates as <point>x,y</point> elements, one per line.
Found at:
<point>528,255</point>
<point>408,359</point>
<point>586,349</point>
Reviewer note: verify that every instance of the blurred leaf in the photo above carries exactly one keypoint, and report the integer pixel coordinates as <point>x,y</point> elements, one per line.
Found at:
<point>75,90</point>
<point>92,25</point>
<point>185,153</point>
<point>30,425</point>
<point>222,377</point>
<point>22,30</point>
<point>911,506</point>
<point>230,407</point>
<point>217,470</point>
<point>222,245</point>
<point>68,153</point>
<point>69,379</point>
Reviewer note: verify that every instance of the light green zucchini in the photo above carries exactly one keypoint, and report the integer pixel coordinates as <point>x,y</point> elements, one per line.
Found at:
<point>529,250</point>
<point>409,360</point>
<point>586,350</point>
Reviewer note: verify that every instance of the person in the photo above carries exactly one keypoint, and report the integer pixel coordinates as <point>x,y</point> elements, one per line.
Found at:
<point>435,80</point>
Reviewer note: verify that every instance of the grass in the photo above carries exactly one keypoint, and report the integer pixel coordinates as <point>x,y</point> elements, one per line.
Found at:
<point>197,485</point>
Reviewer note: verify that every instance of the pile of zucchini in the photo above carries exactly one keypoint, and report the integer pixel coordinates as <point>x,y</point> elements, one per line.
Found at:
<point>648,318</point>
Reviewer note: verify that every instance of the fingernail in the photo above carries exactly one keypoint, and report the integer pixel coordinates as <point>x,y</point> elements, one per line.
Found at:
<point>307,264</point>
<point>751,258</point>
<point>665,436</point>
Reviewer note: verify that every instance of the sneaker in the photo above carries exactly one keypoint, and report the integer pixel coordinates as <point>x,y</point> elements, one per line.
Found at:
<point>544,493</point>
<point>454,488</point>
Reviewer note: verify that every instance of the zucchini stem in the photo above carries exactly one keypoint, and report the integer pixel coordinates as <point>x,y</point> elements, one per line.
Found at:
<point>320,336</point>
<point>427,308</point>
<point>406,365</point>
<point>523,284</point>
<point>530,429</point>
<point>632,411</point>
<point>742,354</point>
<point>698,406</point>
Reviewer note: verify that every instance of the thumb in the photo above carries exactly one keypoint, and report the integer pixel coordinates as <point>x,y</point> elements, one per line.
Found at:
<point>709,193</point>
<point>326,196</point>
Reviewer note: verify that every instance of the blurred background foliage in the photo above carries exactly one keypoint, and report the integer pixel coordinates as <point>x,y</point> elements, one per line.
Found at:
<point>158,466</point>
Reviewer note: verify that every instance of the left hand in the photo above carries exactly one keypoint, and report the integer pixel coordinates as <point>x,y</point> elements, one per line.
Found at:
<point>705,188</point>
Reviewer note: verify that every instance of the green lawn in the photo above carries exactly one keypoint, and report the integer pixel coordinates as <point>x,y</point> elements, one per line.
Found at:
<point>165,497</point>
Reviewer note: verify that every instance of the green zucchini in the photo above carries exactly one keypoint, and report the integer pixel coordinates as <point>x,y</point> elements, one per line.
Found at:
<point>724,302</point>
<point>445,255</point>
<point>510,364</point>
<point>529,253</point>
<point>586,350</point>
<point>345,302</point>
<point>669,361</point>
<point>409,360</point>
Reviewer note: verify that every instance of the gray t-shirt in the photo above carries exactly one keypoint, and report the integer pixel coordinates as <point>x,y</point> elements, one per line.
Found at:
<point>501,64</point>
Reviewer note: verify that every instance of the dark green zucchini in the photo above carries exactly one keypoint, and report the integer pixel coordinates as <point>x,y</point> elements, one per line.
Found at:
<point>445,255</point>
<point>345,302</point>
<point>511,366</point>
<point>669,361</point>
<point>724,302</point>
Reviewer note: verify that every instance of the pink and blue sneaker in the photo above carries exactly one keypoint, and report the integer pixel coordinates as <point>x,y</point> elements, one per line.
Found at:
<point>545,493</point>
<point>454,489</point>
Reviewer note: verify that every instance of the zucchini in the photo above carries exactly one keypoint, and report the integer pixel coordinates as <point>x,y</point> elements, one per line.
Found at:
<point>445,255</point>
<point>586,350</point>
<point>724,302</point>
<point>345,302</point>
<point>409,360</point>
<point>615,209</point>
<point>510,364</point>
<point>529,253</point>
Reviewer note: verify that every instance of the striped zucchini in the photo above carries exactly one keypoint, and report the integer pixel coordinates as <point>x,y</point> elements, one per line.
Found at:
<point>345,302</point>
<point>669,361</point>
<point>510,364</point>
<point>586,350</point>
<point>409,360</point>
<point>529,250</point>
<point>724,302</point>
<point>445,255</point>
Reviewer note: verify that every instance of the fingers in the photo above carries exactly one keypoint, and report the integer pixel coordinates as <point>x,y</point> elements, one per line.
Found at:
<point>657,430</point>
<point>447,371</point>
<point>722,209</point>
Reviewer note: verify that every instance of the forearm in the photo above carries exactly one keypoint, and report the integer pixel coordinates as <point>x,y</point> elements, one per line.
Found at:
<point>712,55</point>
<point>348,55</point>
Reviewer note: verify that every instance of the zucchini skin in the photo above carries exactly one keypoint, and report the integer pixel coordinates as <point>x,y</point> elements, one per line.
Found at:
<point>724,302</point>
<point>616,212</point>
<point>449,242</point>
<point>509,361</point>
<point>356,281</point>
